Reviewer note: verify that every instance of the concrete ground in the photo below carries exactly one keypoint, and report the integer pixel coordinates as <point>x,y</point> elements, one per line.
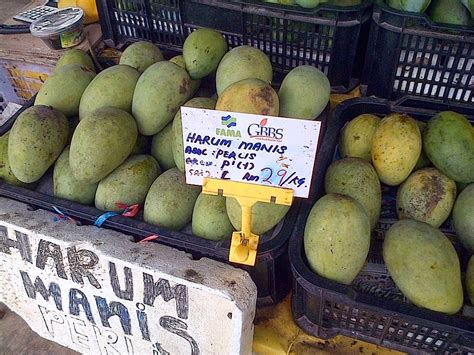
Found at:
<point>16,337</point>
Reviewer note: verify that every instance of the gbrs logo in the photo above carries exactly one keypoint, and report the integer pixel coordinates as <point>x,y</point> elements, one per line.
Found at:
<point>261,131</point>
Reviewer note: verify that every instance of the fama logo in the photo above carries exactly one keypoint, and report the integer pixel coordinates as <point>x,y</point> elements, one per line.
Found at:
<point>228,121</point>
<point>262,131</point>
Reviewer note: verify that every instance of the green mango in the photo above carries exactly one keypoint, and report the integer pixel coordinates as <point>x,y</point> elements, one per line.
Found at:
<point>357,136</point>
<point>244,62</point>
<point>162,147</point>
<point>140,55</point>
<point>6,173</point>
<point>424,265</point>
<point>177,129</point>
<point>463,217</point>
<point>448,142</point>
<point>36,140</point>
<point>112,87</point>
<point>451,12</point>
<point>418,6</point>
<point>75,56</point>
<point>356,178</point>
<point>337,238</point>
<point>310,4</point>
<point>210,220</point>
<point>160,91</point>
<point>427,196</point>
<point>193,84</point>
<point>64,88</point>
<point>265,216</point>
<point>170,201</point>
<point>128,184</point>
<point>304,93</point>
<point>101,142</point>
<point>66,186</point>
<point>203,49</point>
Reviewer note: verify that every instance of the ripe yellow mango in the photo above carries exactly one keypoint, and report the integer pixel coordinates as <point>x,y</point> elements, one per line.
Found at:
<point>357,135</point>
<point>396,148</point>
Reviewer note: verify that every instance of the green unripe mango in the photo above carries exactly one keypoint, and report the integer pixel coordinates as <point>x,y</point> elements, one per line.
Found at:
<point>304,93</point>
<point>140,55</point>
<point>177,128</point>
<point>101,142</point>
<point>112,87</point>
<point>449,143</point>
<point>469,281</point>
<point>193,84</point>
<point>37,138</point>
<point>337,238</point>
<point>345,2</point>
<point>75,56</point>
<point>396,147</point>
<point>357,135</point>
<point>244,62</point>
<point>210,220</point>
<point>424,265</point>
<point>6,173</point>
<point>252,96</point>
<point>450,12</point>
<point>463,217</point>
<point>309,4</point>
<point>170,201</point>
<point>64,88</point>
<point>203,49</point>
<point>355,177</point>
<point>128,184</point>
<point>162,147</point>
<point>65,184</point>
<point>427,196</point>
<point>160,91</point>
<point>265,216</point>
<point>409,5</point>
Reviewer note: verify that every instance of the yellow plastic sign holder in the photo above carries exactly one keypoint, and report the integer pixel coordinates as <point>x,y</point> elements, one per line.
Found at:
<point>243,247</point>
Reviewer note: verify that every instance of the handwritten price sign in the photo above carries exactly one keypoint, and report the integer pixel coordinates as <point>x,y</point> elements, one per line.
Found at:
<point>256,149</point>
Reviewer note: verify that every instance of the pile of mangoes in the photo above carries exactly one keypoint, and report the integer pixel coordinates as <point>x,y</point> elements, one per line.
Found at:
<point>451,12</point>
<point>115,137</point>
<point>433,166</point>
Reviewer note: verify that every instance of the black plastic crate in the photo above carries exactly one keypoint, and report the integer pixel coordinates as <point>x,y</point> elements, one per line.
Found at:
<point>372,308</point>
<point>408,54</point>
<point>271,273</point>
<point>332,38</point>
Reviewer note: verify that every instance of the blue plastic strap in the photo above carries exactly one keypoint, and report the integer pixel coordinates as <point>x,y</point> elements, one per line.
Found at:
<point>102,218</point>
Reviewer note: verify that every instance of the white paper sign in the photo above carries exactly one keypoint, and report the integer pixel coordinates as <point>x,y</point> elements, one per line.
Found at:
<point>255,149</point>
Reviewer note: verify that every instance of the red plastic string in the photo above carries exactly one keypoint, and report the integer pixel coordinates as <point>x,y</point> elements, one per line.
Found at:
<point>128,211</point>
<point>149,238</point>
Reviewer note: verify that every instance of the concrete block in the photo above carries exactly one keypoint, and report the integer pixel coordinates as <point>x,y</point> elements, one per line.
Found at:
<point>95,291</point>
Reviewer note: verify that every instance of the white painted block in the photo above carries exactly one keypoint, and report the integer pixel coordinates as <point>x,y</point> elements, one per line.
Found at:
<point>95,291</point>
